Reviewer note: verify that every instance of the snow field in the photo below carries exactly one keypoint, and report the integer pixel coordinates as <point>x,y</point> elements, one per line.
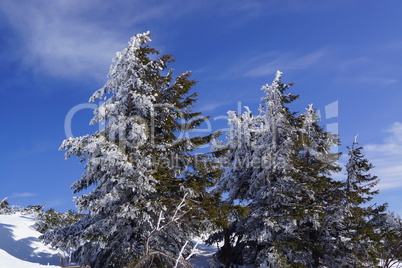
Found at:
<point>19,245</point>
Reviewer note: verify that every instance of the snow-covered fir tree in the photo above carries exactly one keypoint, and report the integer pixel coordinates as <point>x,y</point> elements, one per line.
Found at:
<point>359,236</point>
<point>259,152</point>
<point>147,188</point>
<point>5,206</point>
<point>314,164</point>
<point>279,164</point>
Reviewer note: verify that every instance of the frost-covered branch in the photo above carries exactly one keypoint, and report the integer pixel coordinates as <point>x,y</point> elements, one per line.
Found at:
<point>150,253</point>
<point>180,254</point>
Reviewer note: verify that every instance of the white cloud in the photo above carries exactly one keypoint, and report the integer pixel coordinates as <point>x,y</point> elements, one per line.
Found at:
<point>269,63</point>
<point>378,81</point>
<point>212,106</point>
<point>55,203</point>
<point>387,158</point>
<point>369,74</point>
<point>392,144</point>
<point>74,38</point>
<point>79,38</point>
<point>17,195</point>
<point>37,148</point>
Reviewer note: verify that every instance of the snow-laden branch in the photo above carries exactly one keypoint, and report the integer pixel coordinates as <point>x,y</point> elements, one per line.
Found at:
<point>149,252</point>
<point>180,254</point>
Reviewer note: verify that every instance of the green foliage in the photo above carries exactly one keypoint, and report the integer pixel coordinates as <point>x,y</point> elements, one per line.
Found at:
<point>299,215</point>
<point>48,220</point>
<point>358,216</point>
<point>389,246</point>
<point>141,165</point>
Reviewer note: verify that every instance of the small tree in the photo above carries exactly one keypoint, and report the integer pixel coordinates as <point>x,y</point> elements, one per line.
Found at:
<point>360,189</point>
<point>351,220</point>
<point>4,206</point>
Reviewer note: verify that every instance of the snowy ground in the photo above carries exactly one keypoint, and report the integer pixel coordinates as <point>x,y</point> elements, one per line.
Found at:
<point>202,254</point>
<point>20,248</point>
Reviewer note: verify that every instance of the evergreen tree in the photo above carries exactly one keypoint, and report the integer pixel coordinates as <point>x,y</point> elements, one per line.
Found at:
<point>279,164</point>
<point>349,225</point>
<point>270,223</point>
<point>315,164</point>
<point>5,206</point>
<point>358,234</point>
<point>147,195</point>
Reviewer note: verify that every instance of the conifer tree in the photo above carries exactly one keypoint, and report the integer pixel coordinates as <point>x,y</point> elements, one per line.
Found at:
<point>349,225</point>
<point>315,163</point>
<point>273,188</point>
<point>358,233</point>
<point>284,180</point>
<point>4,206</point>
<point>147,187</point>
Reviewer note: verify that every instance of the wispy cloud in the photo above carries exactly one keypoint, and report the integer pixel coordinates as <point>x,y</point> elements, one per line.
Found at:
<point>379,81</point>
<point>373,66</point>
<point>37,148</point>
<point>392,144</point>
<point>387,158</point>
<point>74,38</point>
<point>251,8</point>
<point>78,38</point>
<point>212,106</point>
<point>21,195</point>
<point>289,62</point>
<point>267,63</point>
<point>53,203</point>
<point>368,71</point>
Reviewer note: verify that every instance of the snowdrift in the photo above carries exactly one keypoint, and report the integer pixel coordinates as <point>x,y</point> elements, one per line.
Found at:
<point>19,245</point>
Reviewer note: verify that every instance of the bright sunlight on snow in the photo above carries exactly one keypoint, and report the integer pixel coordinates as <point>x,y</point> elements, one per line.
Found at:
<point>19,246</point>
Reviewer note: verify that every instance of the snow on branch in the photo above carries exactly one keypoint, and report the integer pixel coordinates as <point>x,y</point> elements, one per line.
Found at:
<point>150,252</point>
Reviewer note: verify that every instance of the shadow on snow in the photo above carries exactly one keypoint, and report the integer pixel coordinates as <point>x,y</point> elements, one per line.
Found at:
<point>22,249</point>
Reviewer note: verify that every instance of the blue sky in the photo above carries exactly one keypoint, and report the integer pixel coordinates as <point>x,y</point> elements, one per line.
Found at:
<point>343,56</point>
